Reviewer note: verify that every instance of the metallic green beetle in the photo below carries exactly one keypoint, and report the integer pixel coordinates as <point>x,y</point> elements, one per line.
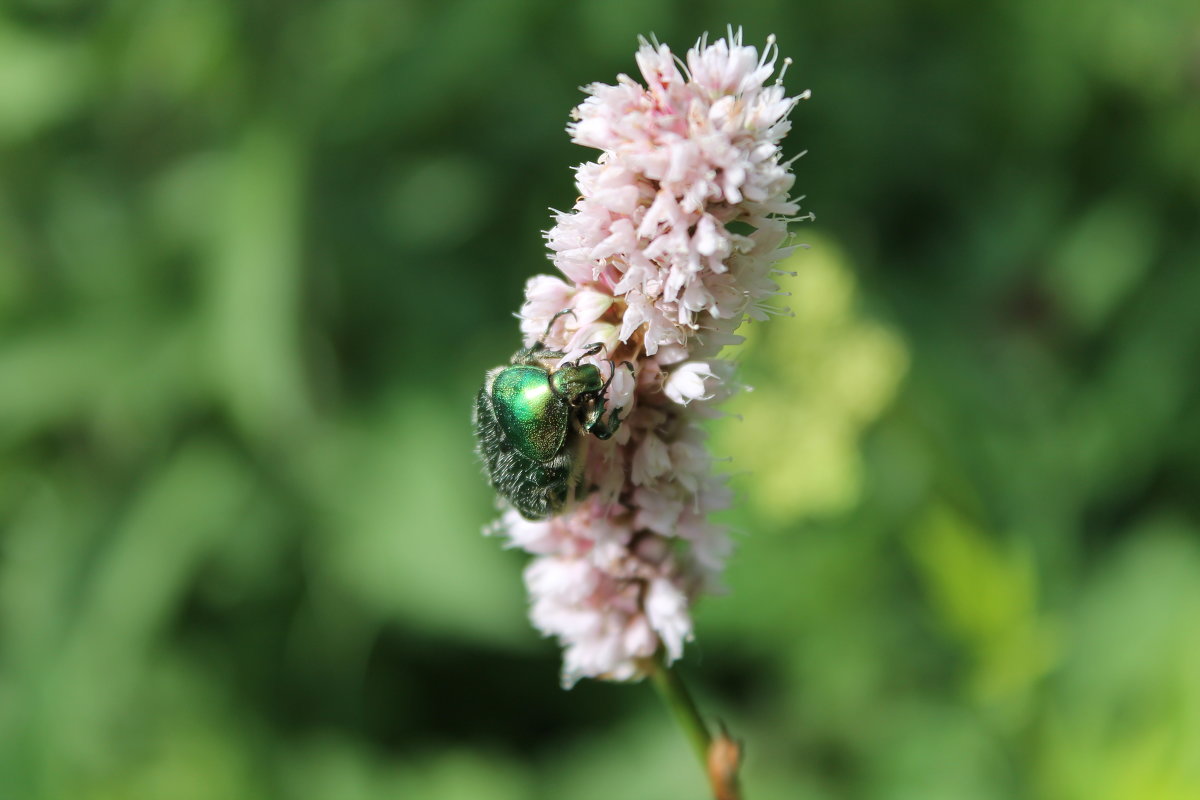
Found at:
<point>530,420</point>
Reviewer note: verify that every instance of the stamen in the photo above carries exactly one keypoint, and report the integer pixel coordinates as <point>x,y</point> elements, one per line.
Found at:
<point>769,54</point>
<point>787,62</point>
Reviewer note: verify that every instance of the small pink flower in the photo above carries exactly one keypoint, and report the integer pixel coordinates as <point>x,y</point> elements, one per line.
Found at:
<point>651,460</point>
<point>667,610</point>
<point>687,382</point>
<point>668,248</point>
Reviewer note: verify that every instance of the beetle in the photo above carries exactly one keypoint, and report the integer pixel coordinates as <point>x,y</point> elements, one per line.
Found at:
<point>530,423</point>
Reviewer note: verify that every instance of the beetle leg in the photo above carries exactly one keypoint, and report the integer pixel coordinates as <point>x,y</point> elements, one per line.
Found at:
<point>594,423</point>
<point>538,352</point>
<point>535,354</point>
<point>554,319</point>
<point>592,349</point>
<point>604,388</point>
<point>597,426</point>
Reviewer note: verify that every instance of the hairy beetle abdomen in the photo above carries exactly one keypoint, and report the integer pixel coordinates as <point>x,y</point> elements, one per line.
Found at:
<point>537,489</point>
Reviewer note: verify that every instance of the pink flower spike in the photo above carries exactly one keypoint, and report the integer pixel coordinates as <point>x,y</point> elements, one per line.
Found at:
<point>667,250</point>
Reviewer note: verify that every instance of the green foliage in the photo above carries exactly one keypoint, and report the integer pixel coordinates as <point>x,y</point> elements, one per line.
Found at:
<point>256,257</point>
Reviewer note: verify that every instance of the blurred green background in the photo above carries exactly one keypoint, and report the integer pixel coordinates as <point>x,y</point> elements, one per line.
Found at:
<point>255,258</point>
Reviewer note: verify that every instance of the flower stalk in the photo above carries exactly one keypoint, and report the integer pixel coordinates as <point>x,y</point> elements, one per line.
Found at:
<point>719,756</point>
<point>679,702</point>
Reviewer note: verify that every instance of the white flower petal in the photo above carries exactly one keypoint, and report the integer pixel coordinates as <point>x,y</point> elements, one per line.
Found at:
<point>687,382</point>
<point>667,612</point>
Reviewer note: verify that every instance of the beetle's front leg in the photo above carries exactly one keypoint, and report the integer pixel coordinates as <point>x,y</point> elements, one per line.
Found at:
<point>597,426</point>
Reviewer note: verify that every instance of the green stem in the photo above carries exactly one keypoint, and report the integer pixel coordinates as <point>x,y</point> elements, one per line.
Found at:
<point>679,702</point>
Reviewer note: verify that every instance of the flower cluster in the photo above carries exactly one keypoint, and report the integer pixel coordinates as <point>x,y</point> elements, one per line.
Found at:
<point>669,247</point>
